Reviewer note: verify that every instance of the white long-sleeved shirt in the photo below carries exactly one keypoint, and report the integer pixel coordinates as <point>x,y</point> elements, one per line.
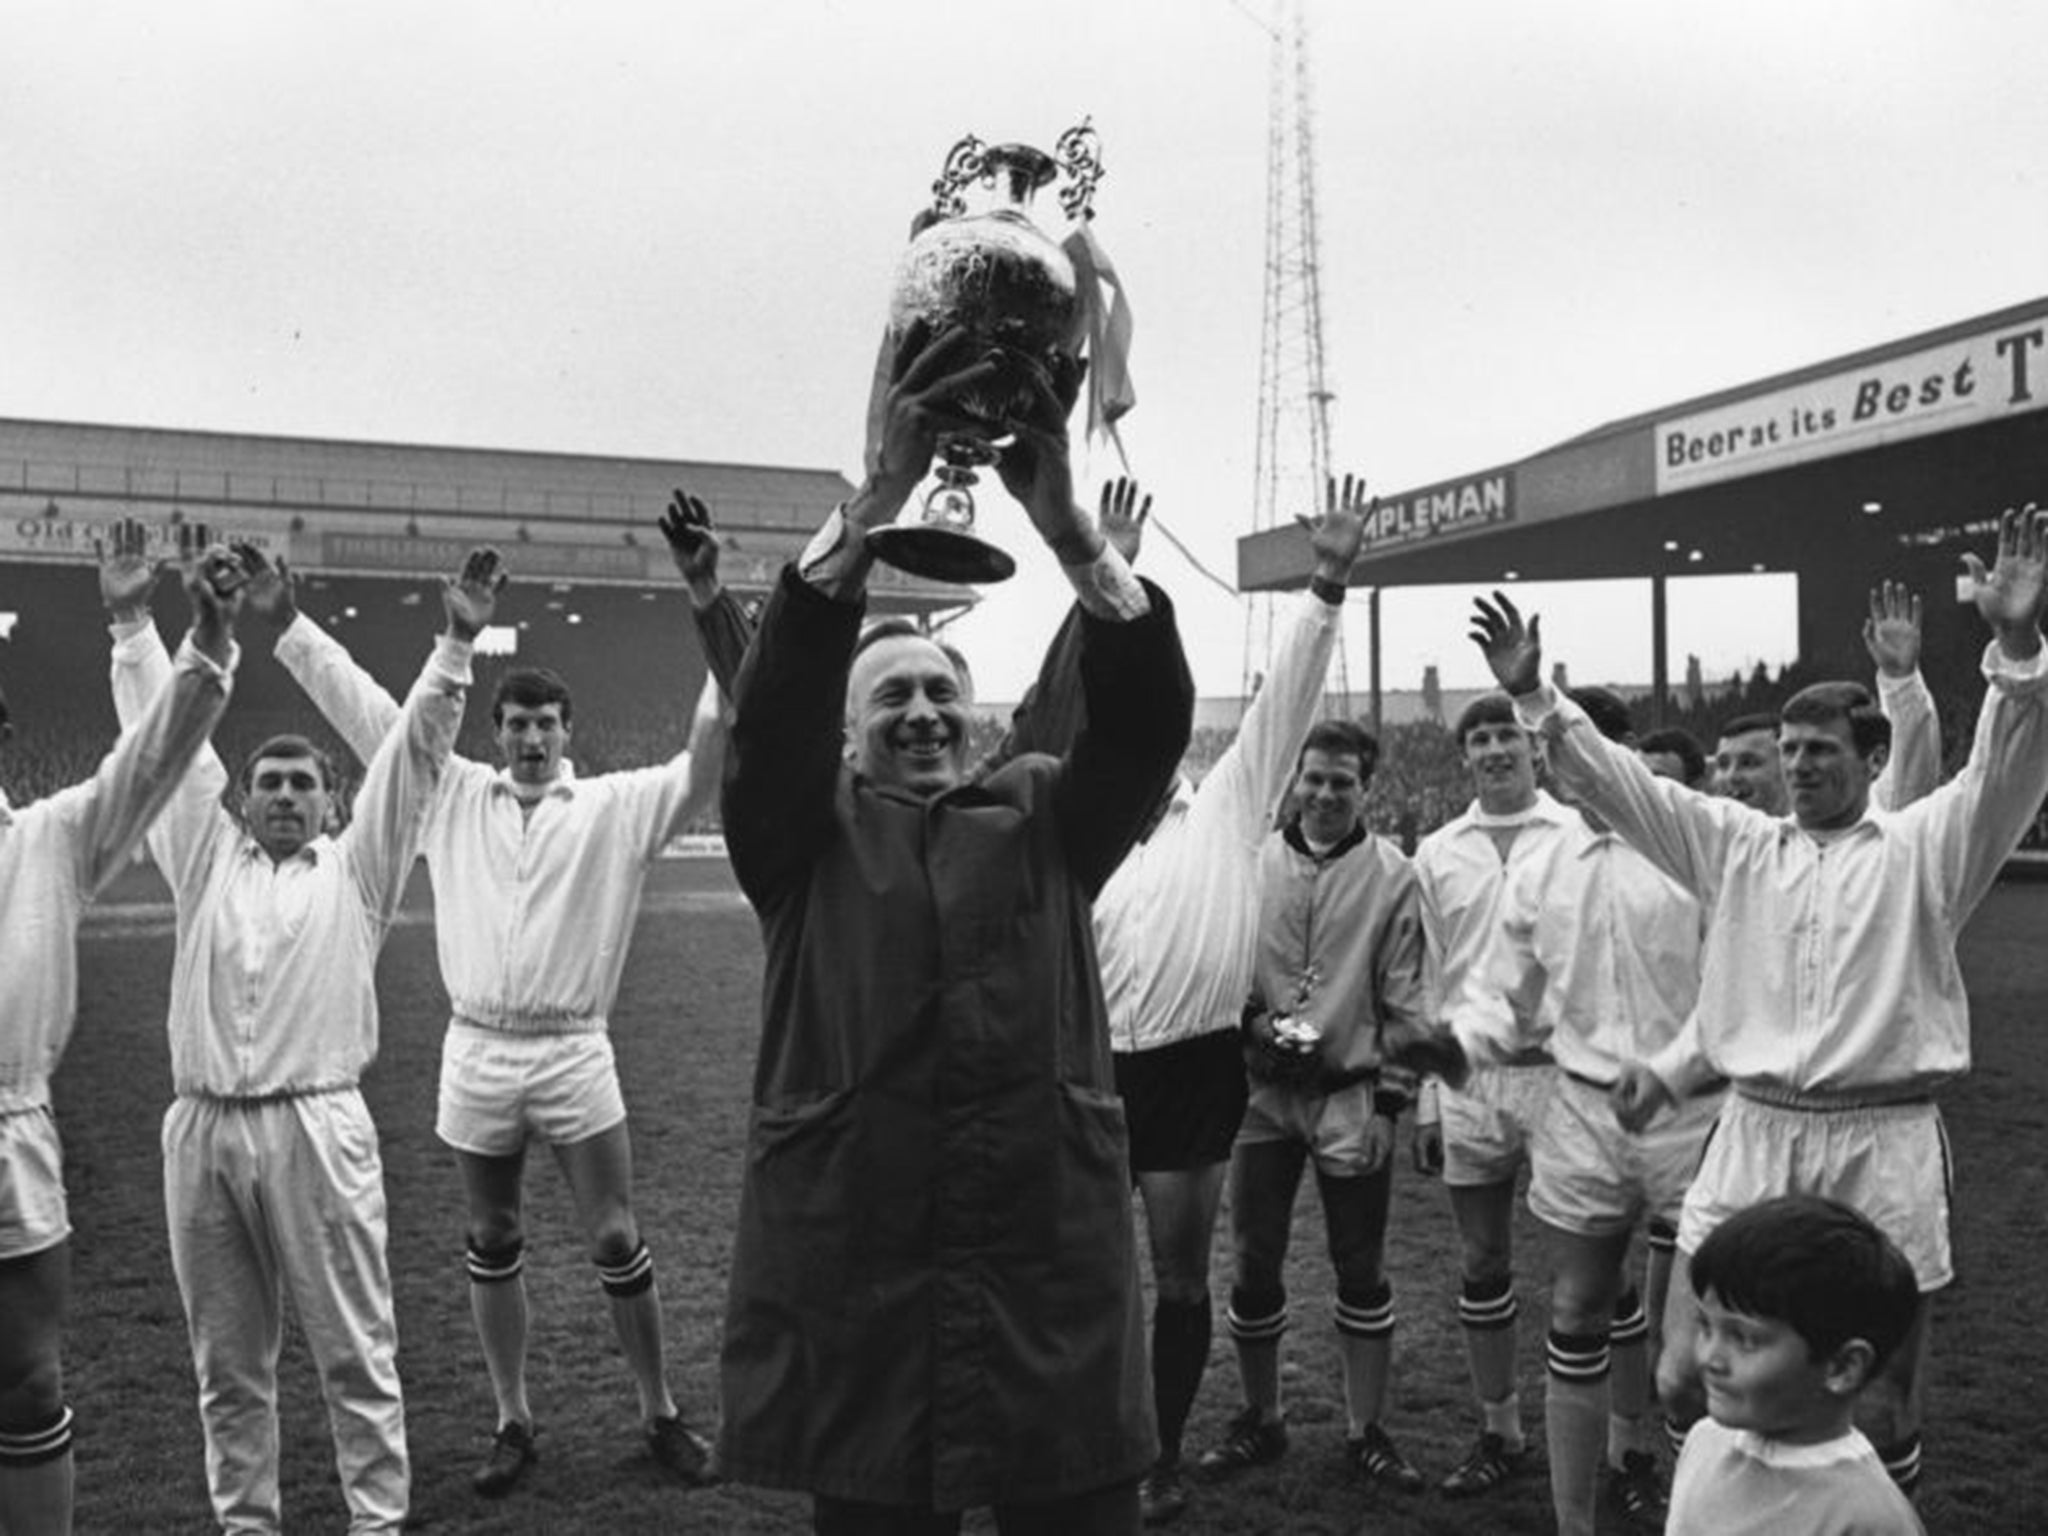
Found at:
<point>58,852</point>
<point>1912,767</point>
<point>1463,873</point>
<point>272,990</point>
<point>1176,925</point>
<point>1830,963</point>
<point>1595,955</point>
<point>532,910</point>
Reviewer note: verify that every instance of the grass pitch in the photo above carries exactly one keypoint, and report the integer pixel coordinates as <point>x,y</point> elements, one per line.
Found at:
<point>685,1032</point>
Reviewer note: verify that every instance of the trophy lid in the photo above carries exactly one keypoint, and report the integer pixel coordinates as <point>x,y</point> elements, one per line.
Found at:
<point>1033,167</point>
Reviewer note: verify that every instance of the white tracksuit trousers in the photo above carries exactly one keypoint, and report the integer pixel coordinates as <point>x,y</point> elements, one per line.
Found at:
<point>269,1198</point>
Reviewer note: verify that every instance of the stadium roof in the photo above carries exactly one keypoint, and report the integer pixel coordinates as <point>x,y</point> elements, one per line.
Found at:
<point>409,510</point>
<point>1832,469</point>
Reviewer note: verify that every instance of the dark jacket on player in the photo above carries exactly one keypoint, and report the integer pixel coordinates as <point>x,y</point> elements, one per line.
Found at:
<point>934,1292</point>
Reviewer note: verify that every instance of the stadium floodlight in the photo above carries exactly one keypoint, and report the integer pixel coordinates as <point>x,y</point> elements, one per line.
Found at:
<point>7,623</point>
<point>1872,508</point>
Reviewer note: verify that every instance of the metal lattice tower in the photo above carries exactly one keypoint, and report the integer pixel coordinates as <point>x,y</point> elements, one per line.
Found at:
<point>1292,458</point>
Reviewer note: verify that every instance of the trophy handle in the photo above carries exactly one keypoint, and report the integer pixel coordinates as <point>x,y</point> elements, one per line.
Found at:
<point>1079,153</point>
<point>964,163</point>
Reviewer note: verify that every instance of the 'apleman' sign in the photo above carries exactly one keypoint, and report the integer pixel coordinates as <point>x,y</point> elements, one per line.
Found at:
<point>1456,507</point>
<point>1959,384</point>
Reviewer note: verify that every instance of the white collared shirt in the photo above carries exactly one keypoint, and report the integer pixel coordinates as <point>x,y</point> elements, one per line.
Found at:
<point>533,910</point>
<point>56,853</point>
<point>1595,954</point>
<point>1176,926</point>
<point>273,988</point>
<point>1830,963</point>
<point>1463,873</point>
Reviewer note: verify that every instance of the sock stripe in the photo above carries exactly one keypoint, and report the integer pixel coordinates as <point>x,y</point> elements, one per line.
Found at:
<point>630,1276</point>
<point>1252,1329</point>
<point>1488,1312</point>
<point>33,1447</point>
<point>1373,1322</point>
<point>1662,1236</point>
<point>1577,1356</point>
<point>1631,1322</point>
<point>497,1266</point>
<point>1674,1435</point>
<point>1902,1461</point>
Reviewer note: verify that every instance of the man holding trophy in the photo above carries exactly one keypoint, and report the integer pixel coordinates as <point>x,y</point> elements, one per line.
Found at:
<point>934,1300</point>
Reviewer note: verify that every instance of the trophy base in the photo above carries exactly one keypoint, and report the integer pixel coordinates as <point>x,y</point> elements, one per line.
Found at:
<point>940,554</point>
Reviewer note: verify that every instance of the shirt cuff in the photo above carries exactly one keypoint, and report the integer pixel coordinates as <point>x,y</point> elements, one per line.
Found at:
<point>298,636</point>
<point>1532,709</point>
<point>2028,676</point>
<point>837,557</point>
<point>452,657</point>
<point>1106,588</point>
<point>1889,687</point>
<point>190,656</point>
<point>132,638</point>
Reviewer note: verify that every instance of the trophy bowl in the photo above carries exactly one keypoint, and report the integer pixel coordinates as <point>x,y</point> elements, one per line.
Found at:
<point>991,271</point>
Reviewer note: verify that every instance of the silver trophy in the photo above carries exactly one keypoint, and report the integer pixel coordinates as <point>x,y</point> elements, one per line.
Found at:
<point>982,263</point>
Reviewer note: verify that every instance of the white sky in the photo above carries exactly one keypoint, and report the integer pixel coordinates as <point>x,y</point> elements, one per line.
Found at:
<point>668,229</point>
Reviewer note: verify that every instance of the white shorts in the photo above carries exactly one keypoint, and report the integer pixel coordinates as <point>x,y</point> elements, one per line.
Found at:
<point>499,1089</point>
<point>1588,1175</point>
<point>1331,1125</point>
<point>1489,1122</point>
<point>33,1215</point>
<point>1890,1162</point>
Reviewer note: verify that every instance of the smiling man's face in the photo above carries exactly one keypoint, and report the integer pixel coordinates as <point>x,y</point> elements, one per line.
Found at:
<point>906,716</point>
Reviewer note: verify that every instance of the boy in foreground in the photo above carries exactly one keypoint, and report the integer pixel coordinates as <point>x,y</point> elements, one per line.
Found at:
<point>1801,1301</point>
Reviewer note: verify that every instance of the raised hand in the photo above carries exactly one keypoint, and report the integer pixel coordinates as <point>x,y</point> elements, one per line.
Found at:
<point>1339,533</point>
<point>273,591</point>
<point>926,378</point>
<point>128,575</point>
<point>2010,595</point>
<point>692,545</point>
<point>470,597</point>
<point>1892,632</point>
<point>1123,516</point>
<point>215,586</point>
<point>1513,650</point>
<point>1036,466</point>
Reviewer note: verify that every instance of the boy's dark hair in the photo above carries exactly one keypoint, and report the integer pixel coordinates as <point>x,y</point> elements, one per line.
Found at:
<point>530,688</point>
<point>1603,706</point>
<point>1674,742</point>
<point>1743,725</point>
<point>1833,703</point>
<point>1487,709</point>
<point>1341,738</point>
<point>1815,1265</point>
<point>288,745</point>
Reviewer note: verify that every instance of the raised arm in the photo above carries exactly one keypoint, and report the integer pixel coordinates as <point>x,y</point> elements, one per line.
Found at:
<point>1977,819</point>
<point>722,624</point>
<point>157,747</point>
<point>406,767</point>
<point>1138,694</point>
<point>351,701</point>
<point>186,810</point>
<point>1052,712</point>
<point>1892,636</point>
<point>1260,760</point>
<point>1683,833</point>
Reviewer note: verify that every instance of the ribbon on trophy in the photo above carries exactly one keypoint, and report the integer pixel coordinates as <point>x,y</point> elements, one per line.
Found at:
<point>1106,318</point>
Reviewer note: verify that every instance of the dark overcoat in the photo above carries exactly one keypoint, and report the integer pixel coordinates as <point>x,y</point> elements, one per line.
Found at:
<point>934,1295</point>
